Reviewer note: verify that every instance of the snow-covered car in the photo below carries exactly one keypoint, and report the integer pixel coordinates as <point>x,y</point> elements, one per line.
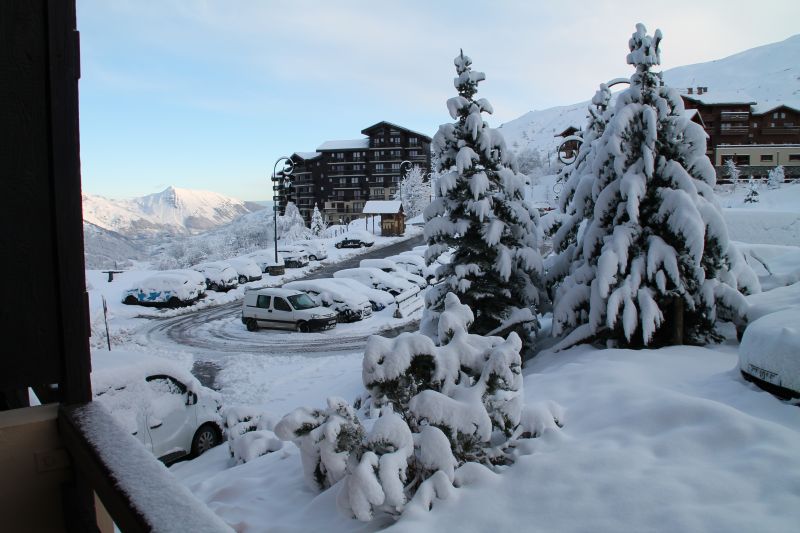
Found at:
<point>157,401</point>
<point>390,267</point>
<point>377,279</point>
<point>769,354</point>
<point>165,289</point>
<point>246,268</point>
<point>285,309</point>
<point>378,299</point>
<point>355,239</point>
<point>293,256</point>
<point>265,259</point>
<point>329,292</point>
<point>220,276</point>
<point>315,250</point>
<point>410,262</point>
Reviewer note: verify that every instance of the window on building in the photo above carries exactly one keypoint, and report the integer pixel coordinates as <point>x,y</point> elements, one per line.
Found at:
<point>340,193</point>
<point>771,124</point>
<point>356,194</point>
<point>378,191</point>
<point>413,141</point>
<point>725,125</point>
<point>755,124</point>
<point>379,166</point>
<point>342,181</point>
<point>413,153</point>
<point>354,181</point>
<point>783,115</point>
<point>395,179</point>
<point>394,140</point>
<point>395,153</point>
<point>339,155</point>
<point>788,124</point>
<point>742,160</point>
<point>775,115</point>
<point>794,157</point>
<point>766,157</point>
<point>395,166</point>
<point>392,191</point>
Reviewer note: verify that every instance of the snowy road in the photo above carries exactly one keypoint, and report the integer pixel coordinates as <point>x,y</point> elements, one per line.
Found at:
<point>214,332</point>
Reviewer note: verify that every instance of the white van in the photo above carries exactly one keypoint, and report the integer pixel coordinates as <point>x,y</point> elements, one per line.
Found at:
<point>285,309</point>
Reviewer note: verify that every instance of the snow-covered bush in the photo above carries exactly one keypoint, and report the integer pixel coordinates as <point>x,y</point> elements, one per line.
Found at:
<point>318,224</point>
<point>437,408</point>
<point>481,213</point>
<point>732,171</point>
<point>291,225</point>
<point>752,191</point>
<point>652,262</point>
<point>776,177</point>
<point>250,434</point>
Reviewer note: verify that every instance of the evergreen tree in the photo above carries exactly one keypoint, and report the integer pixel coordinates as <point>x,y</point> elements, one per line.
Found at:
<point>776,177</point>
<point>653,264</point>
<point>291,225</point>
<point>414,192</point>
<point>481,214</point>
<point>752,192</point>
<point>318,225</point>
<point>732,171</point>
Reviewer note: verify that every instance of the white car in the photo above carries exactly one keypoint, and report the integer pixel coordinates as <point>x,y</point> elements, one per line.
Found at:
<point>247,269</point>
<point>769,354</point>
<point>220,276</point>
<point>410,262</point>
<point>377,279</point>
<point>265,259</point>
<point>165,289</point>
<point>329,292</point>
<point>315,250</point>
<point>285,309</point>
<point>160,403</point>
<point>293,256</point>
<point>378,299</point>
<point>390,267</point>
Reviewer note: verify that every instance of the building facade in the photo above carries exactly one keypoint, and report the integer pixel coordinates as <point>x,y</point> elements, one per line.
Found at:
<point>757,136</point>
<point>341,176</point>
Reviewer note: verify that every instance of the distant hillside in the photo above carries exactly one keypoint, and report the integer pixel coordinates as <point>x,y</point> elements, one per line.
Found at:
<point>108,249</point>
<point>172,211</point>
<point>766,73</point>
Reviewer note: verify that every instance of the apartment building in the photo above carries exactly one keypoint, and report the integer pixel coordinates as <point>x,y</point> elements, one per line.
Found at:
<point>341,176</point>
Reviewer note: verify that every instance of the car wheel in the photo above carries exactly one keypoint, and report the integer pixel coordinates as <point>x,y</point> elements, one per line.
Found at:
<point>302,327</point>
<point>252,325</point>
<point>312,257</point>
<point>242,280</point>
<point>338,245</point>
<point>206,438</point>
<point>214,286</point>
<point>173,302</point>
<point>130,300</point>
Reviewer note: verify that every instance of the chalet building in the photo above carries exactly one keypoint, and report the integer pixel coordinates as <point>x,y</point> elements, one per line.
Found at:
<point>757,136</point>
<point>341,176</point>
<point>569,148</point>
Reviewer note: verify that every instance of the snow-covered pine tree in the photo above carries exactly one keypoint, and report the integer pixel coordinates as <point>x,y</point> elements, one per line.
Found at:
<point>481,213</point>
<point>776,177</point>
<point>416,192</point>
<point>318,225</point>
<point>752,192</point>
<point>732,171</point>
<point>291,225</point>
<point>654,264</point>
<point>576,202</point>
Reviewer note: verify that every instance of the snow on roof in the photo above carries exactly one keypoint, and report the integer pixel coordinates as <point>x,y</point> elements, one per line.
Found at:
<point>768,105</point>
<point>307,155</point>
<point>392,125</point>
<point>721,97</point>
<point>381,207</point>
<point>344,145</point>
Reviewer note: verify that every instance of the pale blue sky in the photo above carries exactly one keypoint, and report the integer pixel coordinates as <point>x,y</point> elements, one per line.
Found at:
<point>208,94</point>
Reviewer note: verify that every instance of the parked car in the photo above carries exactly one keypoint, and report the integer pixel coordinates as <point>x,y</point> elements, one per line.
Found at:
<point>246,268</point>
<point>769,355</point>
<point>285,309</point>
<point>315,250</point>
<point>355,239</point>
<point>409,262</point>
<point>160,403</point>
<point>265,259</point>
<point>377,279</point>
<point>220,276</point>
<point>293,256</point>
<point>165,289</point>
<point>329,292</point>
<point>390,267</point>
<point>378,299</point>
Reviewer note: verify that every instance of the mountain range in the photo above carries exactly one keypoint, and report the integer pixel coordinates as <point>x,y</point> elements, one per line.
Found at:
<point>763,74</point>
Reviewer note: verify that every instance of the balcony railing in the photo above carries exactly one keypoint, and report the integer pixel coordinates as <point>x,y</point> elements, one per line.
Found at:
<point>737,116</point>
<point>736,130</point>
<point>781,131</point>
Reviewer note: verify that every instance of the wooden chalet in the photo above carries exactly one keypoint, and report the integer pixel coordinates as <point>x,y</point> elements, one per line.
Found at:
<point>393,219</point>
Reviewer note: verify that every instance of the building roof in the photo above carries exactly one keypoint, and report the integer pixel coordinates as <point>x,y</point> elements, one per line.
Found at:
<point>366,131</point>
<point>382,207</point>
<point>306,155</point>
<point>567,132</point>
<point>721,97</point>
<point>353,144</point>
<point>770,105</point>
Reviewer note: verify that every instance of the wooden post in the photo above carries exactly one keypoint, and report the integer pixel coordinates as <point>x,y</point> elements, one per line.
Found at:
<point>677,320</point>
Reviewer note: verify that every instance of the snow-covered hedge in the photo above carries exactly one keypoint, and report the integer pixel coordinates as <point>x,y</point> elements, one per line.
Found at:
<point>430,409</point>
<point>250,433</point>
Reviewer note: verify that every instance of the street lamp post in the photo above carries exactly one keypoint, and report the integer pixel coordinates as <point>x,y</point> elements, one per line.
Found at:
<point>280,181</point>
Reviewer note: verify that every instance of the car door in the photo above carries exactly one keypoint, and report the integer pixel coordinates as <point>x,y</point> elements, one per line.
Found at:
<point>282,313</point>
<point>171,423</point>
<point>262,312</point>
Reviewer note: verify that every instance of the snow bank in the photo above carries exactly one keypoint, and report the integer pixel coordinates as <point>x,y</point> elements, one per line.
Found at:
<point>765,227</point>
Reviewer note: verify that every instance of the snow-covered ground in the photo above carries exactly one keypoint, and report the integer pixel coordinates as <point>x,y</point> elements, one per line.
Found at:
<point>653,440</point>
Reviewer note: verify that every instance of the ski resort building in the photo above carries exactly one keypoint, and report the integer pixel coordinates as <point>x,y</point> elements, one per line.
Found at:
<point>341,176</point>
<point>757,136</point>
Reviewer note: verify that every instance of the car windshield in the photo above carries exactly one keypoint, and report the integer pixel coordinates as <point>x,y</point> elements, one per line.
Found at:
<point>302,301</point>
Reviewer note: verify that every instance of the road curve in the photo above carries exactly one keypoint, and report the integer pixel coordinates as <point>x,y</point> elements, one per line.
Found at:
<point>216,331</point>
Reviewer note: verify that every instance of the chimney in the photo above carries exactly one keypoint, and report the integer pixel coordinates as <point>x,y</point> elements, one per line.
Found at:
<point>690,90</point>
